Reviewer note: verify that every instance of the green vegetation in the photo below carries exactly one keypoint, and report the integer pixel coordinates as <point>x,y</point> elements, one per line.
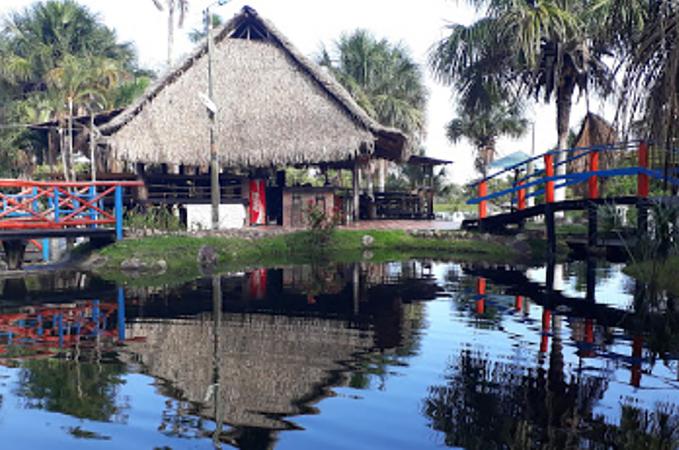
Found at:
<point>545,47</point>
<point>58,60</point>
<point>661,274</point>
<point>77,388</point>
<point>153,218</point>
<point>382,77</point>
<point>180,252</point>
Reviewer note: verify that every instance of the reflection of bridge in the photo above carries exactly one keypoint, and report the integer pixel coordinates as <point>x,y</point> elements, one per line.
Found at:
<point>31,210</point>
<point>515,283</point>
<point>36,330</point>
<point>528,184</point>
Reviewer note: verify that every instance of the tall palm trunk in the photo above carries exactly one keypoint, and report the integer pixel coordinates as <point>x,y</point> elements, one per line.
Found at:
<point>564,103</point>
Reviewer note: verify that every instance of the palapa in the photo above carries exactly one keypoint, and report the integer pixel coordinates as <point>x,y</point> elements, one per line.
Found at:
<point>275,108</point>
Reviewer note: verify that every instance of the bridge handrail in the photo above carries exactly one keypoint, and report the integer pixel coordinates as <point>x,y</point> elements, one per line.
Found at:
<point>61,205</point>
<point>627,145</point>
<point>18,183</point>
<point>575,178</point>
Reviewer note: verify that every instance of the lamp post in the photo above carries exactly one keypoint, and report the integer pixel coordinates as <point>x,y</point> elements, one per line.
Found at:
<point>215,190</point>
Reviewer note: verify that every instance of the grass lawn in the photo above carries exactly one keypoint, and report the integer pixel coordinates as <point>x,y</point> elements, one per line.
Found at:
<point>180,252</point>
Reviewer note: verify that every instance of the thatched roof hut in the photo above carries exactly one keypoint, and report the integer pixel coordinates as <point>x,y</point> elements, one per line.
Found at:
<point>275,107</point>
<point>595,130</point>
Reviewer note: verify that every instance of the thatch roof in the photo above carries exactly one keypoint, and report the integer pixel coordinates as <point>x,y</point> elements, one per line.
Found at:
<point>276,107</point>
<point>595,130</point>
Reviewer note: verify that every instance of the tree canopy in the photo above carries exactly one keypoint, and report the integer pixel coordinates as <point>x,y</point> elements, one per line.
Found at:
<point>382,77</point>
<point>55,54</point>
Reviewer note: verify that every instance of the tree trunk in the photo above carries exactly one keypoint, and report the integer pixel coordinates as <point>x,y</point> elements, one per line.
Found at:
<point>564,102</point>
<point>170,31</point>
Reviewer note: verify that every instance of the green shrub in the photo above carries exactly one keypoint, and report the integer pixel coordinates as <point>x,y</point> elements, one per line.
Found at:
<point>153,218</point>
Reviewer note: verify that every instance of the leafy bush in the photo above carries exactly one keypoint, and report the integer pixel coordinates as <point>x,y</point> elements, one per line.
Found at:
<point>321,225</point>
<point>153,218</point>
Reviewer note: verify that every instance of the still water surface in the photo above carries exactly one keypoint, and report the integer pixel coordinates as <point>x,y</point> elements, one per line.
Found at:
<point>410,354</point>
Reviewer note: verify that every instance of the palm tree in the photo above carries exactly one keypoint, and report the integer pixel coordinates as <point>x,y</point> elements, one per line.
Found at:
<point>173,6</point>
<point>482,127</point>
<point>81,85</point>
<point>47,58</point>
<point>37,38</point>
<point>383,79</point>
<point>548,48</point>
<point>652,74</point>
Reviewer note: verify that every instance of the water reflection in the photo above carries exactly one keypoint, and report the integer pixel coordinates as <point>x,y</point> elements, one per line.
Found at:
<point>548,358</point>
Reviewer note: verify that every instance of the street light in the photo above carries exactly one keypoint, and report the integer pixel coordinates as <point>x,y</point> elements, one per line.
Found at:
<point>215,190</point>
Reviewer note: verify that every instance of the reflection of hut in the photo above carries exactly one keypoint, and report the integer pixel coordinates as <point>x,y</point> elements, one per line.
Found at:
<point>270,366</point>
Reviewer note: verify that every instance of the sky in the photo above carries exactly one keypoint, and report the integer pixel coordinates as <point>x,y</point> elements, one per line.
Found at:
<point>311,23</point>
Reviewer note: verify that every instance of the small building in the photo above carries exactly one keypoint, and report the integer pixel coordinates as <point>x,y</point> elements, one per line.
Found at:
<point>276,109</point>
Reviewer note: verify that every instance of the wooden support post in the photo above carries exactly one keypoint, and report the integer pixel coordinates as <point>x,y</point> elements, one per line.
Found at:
<point>591,279</point>
<point>551,229</point>
<point>642,178</point>
<point>369,172</point>
<point>14,253</point>
<point>356,187</point>
<point>142,191</point>
<point>381,175</point>
<point>592,225</point>
<point>549,174</point>
<point>594,179</point>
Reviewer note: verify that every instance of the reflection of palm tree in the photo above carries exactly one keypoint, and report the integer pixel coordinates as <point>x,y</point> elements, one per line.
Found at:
<point>486,405</point>
<point>54,385</point>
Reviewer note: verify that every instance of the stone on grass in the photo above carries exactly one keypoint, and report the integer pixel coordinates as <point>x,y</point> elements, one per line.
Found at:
<point>133,265</point>
<point>207,256</point>
<point>367,240</point>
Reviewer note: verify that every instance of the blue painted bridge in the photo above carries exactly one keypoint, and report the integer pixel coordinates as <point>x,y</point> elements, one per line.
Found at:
<point>630,159</point>
<point>35,211</point>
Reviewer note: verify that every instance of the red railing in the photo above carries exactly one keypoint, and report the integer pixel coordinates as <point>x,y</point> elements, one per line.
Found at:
<point>26,204</point>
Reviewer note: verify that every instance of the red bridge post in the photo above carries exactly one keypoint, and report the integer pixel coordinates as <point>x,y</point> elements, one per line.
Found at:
<point>642,189</point>
<point>549,173</point>
<point>594,179</point>
<point>521,201</point>
<point>642,178</point>
<point>592,207</point>
<point>483,206</point>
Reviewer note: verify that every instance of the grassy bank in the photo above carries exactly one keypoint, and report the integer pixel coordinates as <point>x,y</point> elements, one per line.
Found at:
<point>180,252</point>
<point>663,274</point>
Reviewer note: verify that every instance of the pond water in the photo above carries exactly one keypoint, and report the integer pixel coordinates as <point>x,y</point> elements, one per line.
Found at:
<point>412,354</point>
